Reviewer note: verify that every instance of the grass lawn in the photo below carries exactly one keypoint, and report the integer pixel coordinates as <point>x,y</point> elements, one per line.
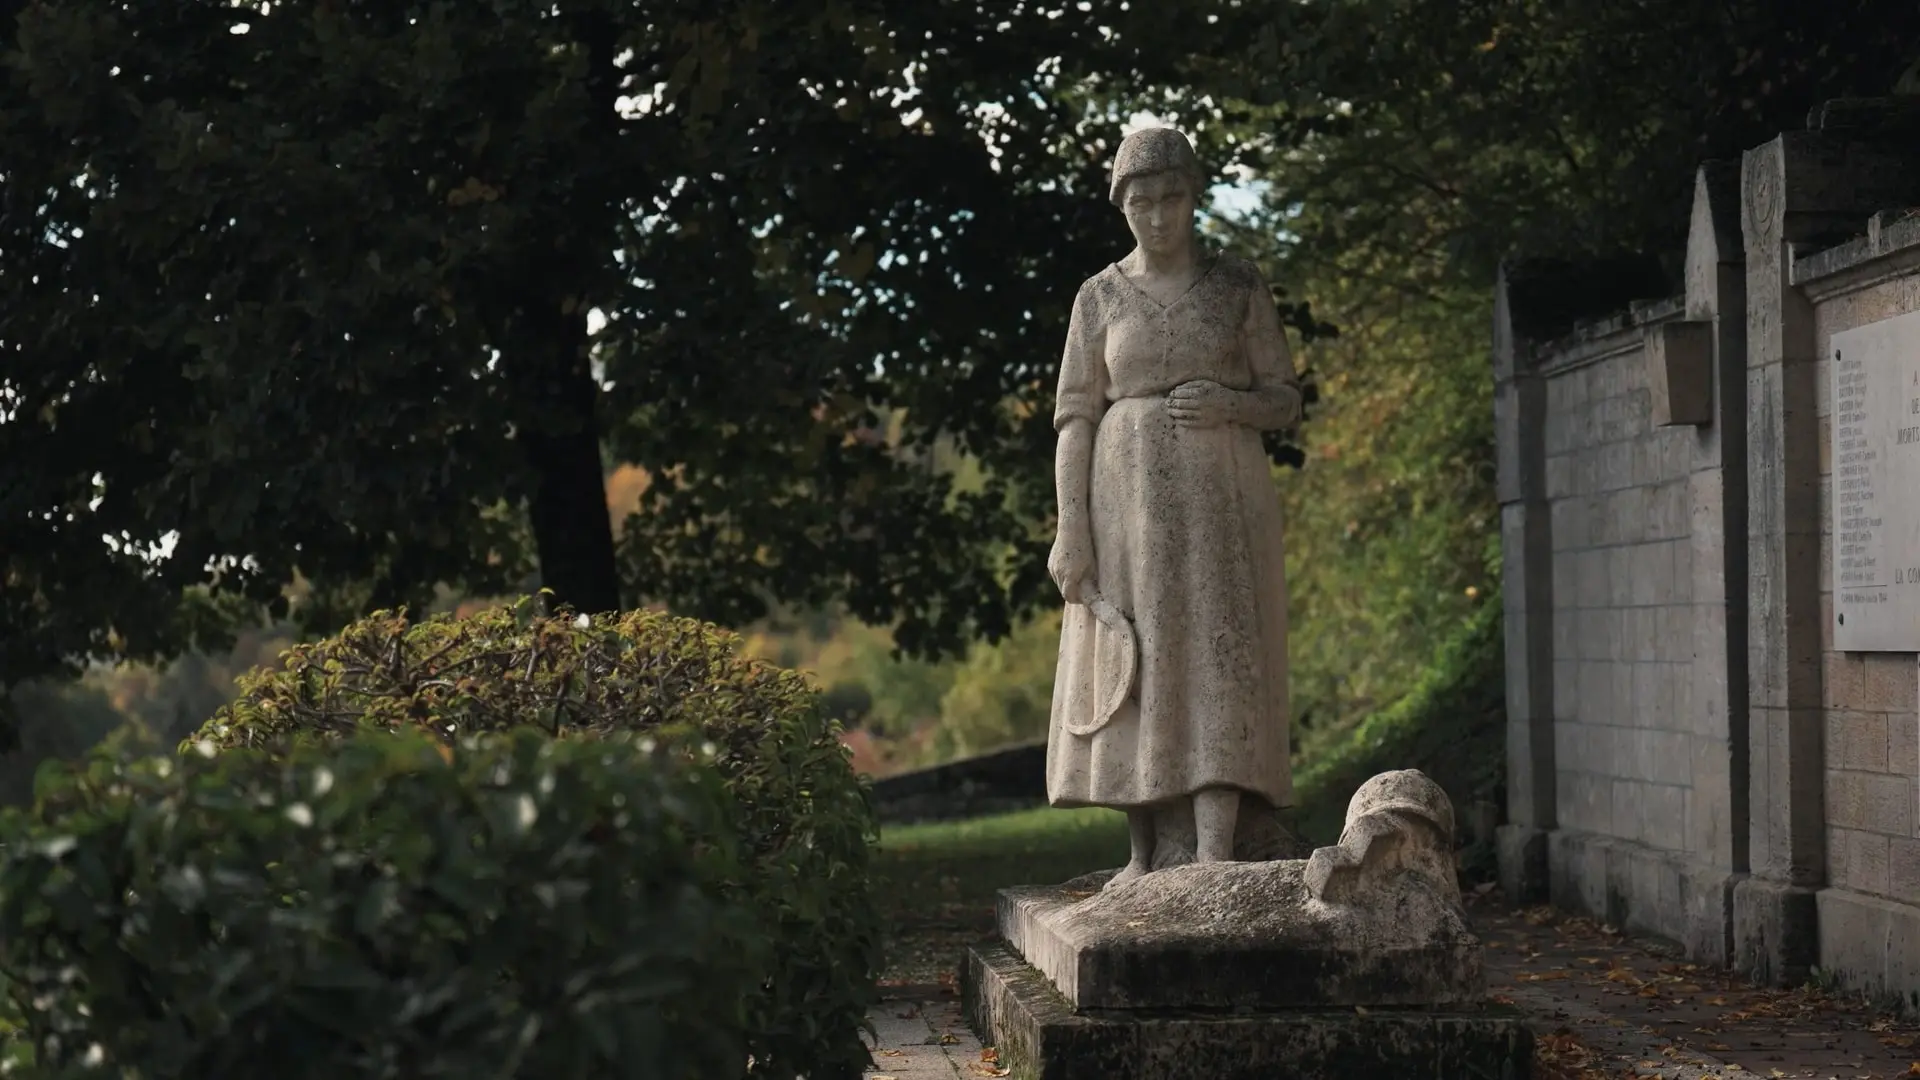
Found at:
<point>937,881</point>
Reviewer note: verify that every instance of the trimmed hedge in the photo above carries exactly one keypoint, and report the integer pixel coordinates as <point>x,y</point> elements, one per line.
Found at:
<point>388,907</point>
<point>804,816</point>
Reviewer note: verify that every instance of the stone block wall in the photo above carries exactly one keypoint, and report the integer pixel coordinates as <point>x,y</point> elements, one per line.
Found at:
<point>1619,496</point>
<point>1629,614</point>
<point>1870,701</point>
<point>1689,753</point>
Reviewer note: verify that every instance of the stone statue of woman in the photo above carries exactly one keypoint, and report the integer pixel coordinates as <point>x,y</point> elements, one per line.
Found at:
<point>1170,699</point>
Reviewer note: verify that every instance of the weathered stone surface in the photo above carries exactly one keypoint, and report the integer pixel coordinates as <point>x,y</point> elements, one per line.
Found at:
<point>1260,833</point>
<point>1523,863</point>
<point>1776,931</point>
<point>1243,935</point>
<point>1038,1036</point>
<point>1398,822</point>
<point>1874,441</point>
<point>1171,688</point>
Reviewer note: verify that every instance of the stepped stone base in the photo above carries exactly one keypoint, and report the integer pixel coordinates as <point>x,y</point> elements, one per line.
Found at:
<point>1243,936</point>
<point>1352,963</point>
<point>1038,1036</point>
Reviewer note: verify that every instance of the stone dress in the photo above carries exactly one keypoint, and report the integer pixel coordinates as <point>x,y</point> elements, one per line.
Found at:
<point>1187,543</point>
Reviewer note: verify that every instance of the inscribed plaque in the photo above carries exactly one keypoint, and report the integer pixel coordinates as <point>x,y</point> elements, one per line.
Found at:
<point>1876,486</point>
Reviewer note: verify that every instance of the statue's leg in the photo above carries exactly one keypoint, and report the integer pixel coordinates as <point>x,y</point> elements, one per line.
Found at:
<point>1216,812</point>
<point>1140,835</point>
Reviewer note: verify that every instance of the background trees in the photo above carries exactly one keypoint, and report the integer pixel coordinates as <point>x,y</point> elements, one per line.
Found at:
<point>345,304</point>
<point>365,294</point>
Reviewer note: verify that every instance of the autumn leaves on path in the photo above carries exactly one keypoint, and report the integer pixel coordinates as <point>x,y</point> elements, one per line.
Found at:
<point>1610,1006</point>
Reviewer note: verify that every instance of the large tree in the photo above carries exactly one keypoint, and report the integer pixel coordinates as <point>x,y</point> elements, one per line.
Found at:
<point>1453,135</point>
<point>364,292</point>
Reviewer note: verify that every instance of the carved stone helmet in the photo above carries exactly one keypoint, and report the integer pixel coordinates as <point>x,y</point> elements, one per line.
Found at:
<point>1153,150</point>
<point>1407,791</point>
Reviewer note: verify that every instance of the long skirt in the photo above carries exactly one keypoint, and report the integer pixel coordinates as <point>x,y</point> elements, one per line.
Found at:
<point>1187,543</point>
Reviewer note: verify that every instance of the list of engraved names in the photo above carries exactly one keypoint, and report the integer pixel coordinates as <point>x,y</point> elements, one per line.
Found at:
<point>1875,427</point>
<point>1857,520</point>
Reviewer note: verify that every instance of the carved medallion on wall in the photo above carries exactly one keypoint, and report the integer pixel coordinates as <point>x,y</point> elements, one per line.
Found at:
<point>1760,184</point>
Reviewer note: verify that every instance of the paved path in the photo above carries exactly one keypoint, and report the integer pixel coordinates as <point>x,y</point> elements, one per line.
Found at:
<point>1613,1006</point>
<point>1603,1005</point>
<point>927,1040</point>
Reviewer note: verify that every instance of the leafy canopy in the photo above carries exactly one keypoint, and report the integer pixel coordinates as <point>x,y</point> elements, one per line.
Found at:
<point>361,293</point>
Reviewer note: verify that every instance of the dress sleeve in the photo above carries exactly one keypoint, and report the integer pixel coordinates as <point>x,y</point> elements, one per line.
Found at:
<point>1083,366</point>
<point>1269,357</point>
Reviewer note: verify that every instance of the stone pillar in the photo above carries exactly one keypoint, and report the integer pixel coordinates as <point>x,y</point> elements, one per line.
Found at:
<point>1805,189</point>
<point>1717,816</point>
<point>1526,545</point>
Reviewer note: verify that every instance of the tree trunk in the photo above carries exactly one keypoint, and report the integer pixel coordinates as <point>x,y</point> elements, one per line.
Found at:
<point>572,529</point>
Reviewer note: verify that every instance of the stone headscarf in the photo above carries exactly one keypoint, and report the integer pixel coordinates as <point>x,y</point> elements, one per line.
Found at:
<point>1154,150</point>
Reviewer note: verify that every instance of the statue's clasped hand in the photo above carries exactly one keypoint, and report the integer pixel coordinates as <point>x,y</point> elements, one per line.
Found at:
<point>1202,404</point>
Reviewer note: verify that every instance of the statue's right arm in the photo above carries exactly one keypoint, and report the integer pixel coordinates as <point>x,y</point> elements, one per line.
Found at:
<point>1081,400</point>
<point>1073,475</point>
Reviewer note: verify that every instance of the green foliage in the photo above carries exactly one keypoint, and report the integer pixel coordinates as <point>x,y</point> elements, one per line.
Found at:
<point>1450,725</point>
<point>63,721</point>
<point>1387,527</point>
<point>16,1050</point>
<point>860,665</point>
<point>309,287</point>
<point>1441,138</point>
<point>1002,693</point>
<point>388,907</point>
<point>803,815</point>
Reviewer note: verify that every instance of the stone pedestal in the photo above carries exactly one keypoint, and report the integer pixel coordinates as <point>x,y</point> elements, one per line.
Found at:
<point>1038,1036</point>
<point>1355,962</point>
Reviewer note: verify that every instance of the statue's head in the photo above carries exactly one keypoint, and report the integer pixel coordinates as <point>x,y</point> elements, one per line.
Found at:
<point>1157,183</point>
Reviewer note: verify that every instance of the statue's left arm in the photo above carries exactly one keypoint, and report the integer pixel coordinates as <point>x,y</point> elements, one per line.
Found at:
<point>1273,403</point>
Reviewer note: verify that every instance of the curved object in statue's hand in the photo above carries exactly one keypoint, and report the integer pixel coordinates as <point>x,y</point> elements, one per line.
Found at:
<point>1116,660</point>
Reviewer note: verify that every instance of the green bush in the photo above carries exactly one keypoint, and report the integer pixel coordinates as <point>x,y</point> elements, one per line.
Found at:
<point>804,815</point>
<point>16,1055</point>
<point>390,907</point>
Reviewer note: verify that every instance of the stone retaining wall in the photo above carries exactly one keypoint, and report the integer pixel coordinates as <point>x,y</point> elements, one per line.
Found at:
<point>1013,778</point>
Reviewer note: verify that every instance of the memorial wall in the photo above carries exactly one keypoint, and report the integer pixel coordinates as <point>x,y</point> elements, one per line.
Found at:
<point>1714,708</point>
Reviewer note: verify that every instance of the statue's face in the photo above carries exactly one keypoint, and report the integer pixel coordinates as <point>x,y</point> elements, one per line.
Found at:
<point>1159,209</point>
